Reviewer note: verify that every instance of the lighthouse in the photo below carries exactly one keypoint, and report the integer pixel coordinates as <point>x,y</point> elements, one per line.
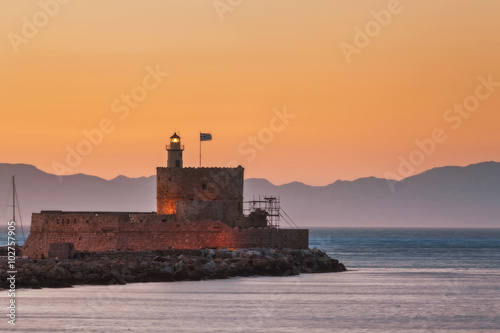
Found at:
<point>174,149</point>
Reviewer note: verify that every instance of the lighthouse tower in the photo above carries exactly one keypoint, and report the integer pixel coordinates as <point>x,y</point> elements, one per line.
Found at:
<point>174,150</point>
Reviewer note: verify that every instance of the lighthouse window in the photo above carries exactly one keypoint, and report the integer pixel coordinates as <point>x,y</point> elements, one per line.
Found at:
<point>204,186</point>
<point>178,163</point>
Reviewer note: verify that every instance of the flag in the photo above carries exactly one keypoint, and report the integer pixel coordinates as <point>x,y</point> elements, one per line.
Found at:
<point>205,137</point>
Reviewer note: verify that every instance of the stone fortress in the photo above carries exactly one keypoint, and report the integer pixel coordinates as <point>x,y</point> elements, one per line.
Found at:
<point>196,208</point>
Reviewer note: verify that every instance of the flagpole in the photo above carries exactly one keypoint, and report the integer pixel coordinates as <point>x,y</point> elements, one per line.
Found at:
<point>200,149</point>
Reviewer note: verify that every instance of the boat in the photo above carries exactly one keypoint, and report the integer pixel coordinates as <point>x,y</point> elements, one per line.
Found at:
<point>15,227</point>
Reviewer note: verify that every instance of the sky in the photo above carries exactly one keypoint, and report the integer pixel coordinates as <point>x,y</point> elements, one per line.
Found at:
<point>291,90</point>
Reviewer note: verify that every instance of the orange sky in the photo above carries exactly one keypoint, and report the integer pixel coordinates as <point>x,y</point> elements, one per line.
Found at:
<point>229,77</point>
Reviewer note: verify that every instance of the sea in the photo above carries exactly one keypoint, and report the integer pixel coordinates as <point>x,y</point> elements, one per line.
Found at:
<point>398,280</point>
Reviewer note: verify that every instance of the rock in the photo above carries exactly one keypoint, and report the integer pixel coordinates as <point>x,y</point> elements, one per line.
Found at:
<point>56,272</point>
<point>223,255</point>
<point>222,268</point>
<point>125,270</point>
<point>74,268</point>
<point>167,270</point>
<point>129,278</point>
<point>232,270</point>
<point>211,267</point>
<point>183,258</point>
<point>181,275</point>
<point>194,276</point>
<point>51,262</point>
<point>118,277</point>
<point>34,283</point>
<point>168,265</point>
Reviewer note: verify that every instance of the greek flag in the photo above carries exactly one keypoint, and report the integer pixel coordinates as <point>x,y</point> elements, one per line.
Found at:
<point>205,137</point>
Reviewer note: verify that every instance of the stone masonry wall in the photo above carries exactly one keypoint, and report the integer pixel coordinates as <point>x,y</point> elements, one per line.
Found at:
<point>88,231</point>
<point>101,232</point>
<point>273,238</point>
<point>198,184</point>
<point>61,250</point>
<point>224,211</point>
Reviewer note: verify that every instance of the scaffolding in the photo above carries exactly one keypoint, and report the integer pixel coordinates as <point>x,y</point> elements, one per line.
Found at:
<point>271,205</point>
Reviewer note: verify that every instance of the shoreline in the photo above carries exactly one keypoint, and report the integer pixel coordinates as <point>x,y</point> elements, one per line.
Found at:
<point>122,267</point>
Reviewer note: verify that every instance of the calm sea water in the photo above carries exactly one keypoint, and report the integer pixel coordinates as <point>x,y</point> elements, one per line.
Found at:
<point>20,235</point>
<point>400,280</point>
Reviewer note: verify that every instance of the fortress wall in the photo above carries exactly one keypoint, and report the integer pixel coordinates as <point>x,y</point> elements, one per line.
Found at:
<point>149,232</point>
<point>146,231</point>
<point>180,235</point>
<point>255,220</point>
<point>38,243</point>
<point>147,218</point>
<point>59,221</point>
<point>274,238</point>
<point>123,231</point>
<point>220,210</point>
<point>198,184</point>
<point>88,231</point>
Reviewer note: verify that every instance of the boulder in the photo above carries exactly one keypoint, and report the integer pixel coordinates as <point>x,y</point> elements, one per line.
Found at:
<point>211,267</point>
<point>168,265</point>
<point>56,272</point>
<point>194,276</point>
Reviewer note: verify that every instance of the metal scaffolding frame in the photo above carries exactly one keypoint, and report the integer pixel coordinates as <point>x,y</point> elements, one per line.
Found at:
<point>272,206</point>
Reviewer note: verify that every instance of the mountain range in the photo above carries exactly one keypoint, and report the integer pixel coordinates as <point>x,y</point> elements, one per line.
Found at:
<point>441,197</point>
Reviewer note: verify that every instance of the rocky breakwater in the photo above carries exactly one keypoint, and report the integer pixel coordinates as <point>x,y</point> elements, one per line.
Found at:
<point>167,266</point>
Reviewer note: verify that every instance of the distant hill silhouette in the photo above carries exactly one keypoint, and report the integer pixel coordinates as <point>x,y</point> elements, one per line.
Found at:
<point>441,197</point>
<point>38,190</point>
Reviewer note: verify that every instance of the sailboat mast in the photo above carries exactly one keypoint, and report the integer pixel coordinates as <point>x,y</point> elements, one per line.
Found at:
<point>13,198</point>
